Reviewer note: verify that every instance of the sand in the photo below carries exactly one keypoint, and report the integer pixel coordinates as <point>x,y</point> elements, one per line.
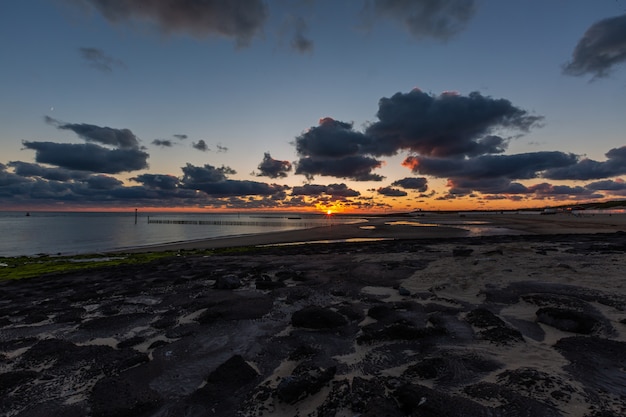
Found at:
<point>524,316</point>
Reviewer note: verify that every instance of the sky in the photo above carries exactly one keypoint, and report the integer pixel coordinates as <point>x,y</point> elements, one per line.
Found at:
<point>342,105</point>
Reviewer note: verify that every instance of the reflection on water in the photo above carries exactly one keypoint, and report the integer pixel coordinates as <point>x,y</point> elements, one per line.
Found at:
<point>475,228</point>
<point>349,240</point>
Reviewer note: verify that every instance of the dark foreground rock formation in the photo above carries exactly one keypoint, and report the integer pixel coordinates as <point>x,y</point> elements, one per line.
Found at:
<point>326,330</point>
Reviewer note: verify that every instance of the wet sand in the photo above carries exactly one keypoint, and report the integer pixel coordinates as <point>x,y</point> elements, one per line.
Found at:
<point>431,225</point>
<point>430,322</point>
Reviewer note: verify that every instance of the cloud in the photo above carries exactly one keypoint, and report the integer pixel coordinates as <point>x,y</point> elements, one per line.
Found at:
<point>27,169</point>
<point>165,143</point>
<point>200,145</point>
<point>331,139</point>
<point>180,137</point>
<point>96,58</point>
<point>273,168</point>
<point>412,183</point>
<point>447,125</point>
<point>214,182</point>
<point>300,42</point>
<point>237,19</point>
<point>8,180</point>
<point>334,190</point>
<point>608,185</point>
<point>358,168</point>
<point>206,174</point>
<point>602,47</point>
<point>88,157</point>
<point>517,166</point>
<point>544,190</point>
<point>103,182</point>
<point>159,181</point>
<point>438,19</point>
<point>122,138</point>
<point>391,192</point>
<point>334,148</point>
<point>221,149</point>
<point>588,169</point>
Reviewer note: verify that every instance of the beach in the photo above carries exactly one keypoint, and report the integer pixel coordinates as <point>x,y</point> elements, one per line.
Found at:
<point>464,315</point>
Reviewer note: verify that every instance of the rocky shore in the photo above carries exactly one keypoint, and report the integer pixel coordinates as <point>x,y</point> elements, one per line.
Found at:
<point>528,325</point>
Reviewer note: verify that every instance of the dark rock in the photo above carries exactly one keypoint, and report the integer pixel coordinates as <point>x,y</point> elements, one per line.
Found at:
<point>596,362</point>
<point>11,380</point>
<point>302,352</point>
<point>227,282</point>
<point>397,331</point>
<point>302,383</point>
<point>452,369</point>
<point>404,292</point>
<point>462,252</point>
<point>165,322</point>
<point>380,312</point>
<point>232,374</point>
<point>501,335</point>
<point>483,318</point>
<point>266,283</point>
<point>567,320</point>
<point>513,404</point>
<point>314,317</point>
<point>418,400</point>
<point>133,341</point>
<point>33,318</point>
<point>120,397</point>
<point>53,408</point>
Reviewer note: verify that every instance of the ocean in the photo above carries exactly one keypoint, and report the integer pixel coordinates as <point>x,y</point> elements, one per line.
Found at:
<point>70,233</point>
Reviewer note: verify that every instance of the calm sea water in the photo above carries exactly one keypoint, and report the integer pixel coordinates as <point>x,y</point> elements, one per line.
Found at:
<point>74,233</point>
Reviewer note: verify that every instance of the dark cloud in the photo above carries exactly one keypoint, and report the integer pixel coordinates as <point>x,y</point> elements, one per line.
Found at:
<point>412,183</point>
<point>601,48</point>
<point>517,166</point>
<point>206,174</point>
<point>9,179</point>
<point>160,181</point>
<point>331,139</point>
<point>180,137</point>
<point>214,182</point>
<point>96,58</point>
<point>273,168</point>
<point>545,190</point>
<point>448,125</point>
<point>237,19</point>
<point>358,168</point>
<point>301,42</point>
<point>237,188</point>
<point>103,182</point>
<point>88,157</point>
<point>166,143</point>
<point>588,169</point>
<point>439,19</point>
<point>200,145</point>
<point>498,185</point>
<point>391,192</point>
<point>122,138</point>
<point>614,186</point>
<point>333,148</point>
<point>27,169</point>
<point>221,148</point>
<point>333,190</point>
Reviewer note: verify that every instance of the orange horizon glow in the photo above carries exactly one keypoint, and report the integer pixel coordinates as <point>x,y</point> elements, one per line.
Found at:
<point>382,206</point>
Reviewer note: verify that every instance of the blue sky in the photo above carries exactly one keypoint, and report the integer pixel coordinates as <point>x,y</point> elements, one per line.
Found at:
<point>275,104</point>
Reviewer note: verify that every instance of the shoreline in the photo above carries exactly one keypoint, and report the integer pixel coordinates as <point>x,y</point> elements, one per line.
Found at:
<point>428,226</point>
